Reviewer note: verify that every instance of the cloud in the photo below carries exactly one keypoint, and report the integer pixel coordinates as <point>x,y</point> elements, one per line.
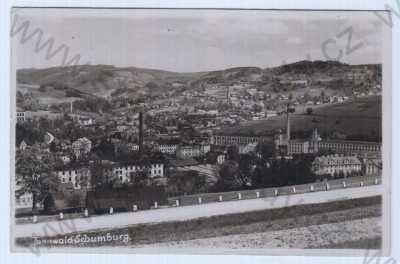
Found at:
<point>198,40</point>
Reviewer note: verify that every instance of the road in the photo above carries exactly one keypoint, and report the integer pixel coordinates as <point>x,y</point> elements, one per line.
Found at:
<point>182,213</point>
<point>270,192</point>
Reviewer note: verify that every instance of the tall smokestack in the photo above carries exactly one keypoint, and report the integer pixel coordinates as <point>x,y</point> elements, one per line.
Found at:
<point>288,123</point>
<point>140,132</point>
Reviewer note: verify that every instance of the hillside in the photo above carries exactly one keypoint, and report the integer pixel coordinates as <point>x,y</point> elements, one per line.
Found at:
<point>100,80</point>
<point>109,82</point>
<point>359,120</point>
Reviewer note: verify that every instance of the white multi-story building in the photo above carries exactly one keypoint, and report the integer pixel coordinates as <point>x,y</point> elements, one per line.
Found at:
<point>372,164</point>
<point>21,116</point>
<point>221,159</point>
<point>25,201</point>
<point>221,140</point>
<point>335,165</point>
<point>85,121</point>
<point>205,148</point>
<point>127,173</point>
<point>167,148</point>
<point>248,148</point>
<point>78,177</point>
<point>192,151</point>
<point>132,146</point>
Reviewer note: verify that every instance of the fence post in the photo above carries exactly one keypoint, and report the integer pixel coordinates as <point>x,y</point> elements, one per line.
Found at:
<point>344,184</point>
<point>61,216</point>
<point>177,202</point>
<point>200,200</point>
<point>258,194</point>
<point>239,196</point>
<point>34,219</point>
<point>311,188</point>
<point>135,208</point>
<point>220,198</point>
<point>276,192</point>
<point>327,186</point>
<point>294,189</point>
<point>155,205</point>
<point>111,210</point>
<point>86,213</point>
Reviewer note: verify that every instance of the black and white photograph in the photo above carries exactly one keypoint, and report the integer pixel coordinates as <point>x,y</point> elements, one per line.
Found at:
<point>200,131</point>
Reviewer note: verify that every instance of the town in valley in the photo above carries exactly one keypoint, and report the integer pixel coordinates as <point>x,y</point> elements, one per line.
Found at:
<point>85,131</point>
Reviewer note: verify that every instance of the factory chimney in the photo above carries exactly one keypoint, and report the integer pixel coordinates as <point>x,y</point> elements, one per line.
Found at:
<point>140,132</point>
<point>288,123</point>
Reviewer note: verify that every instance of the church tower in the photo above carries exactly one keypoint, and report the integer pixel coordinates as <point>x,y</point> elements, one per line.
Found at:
<point>315,135</point>
<point>315,138</point>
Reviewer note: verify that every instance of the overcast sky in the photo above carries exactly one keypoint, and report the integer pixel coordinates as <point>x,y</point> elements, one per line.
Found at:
<point>197,40</point>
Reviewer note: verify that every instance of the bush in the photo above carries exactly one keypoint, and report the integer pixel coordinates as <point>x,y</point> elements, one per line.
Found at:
<point>48,204</point>
<point>74,200</point>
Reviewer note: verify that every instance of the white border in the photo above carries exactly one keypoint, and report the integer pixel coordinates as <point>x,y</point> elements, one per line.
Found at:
<point>282,4</point>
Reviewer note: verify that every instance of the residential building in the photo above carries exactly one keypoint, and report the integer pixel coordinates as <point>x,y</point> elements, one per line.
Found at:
<point>192,151</point>
<point>23,116</point>
<point>85,121</point>
<point>132,146</point>
<point>205,148</point>
<point>248,148</point>
<point>78,177</point>
<point>188,151</point>
<point>336,165</point>
<point>168,148</point>
<point>372,164</point>
<point>127,172</point>
<point>221,159</point>
<point>225,140</point>
<point>20,116</point>
<point>81,146</point>
<point>25,201</point>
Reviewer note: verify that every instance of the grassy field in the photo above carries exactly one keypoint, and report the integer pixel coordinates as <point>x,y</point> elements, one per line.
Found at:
<point>348,234</point>
<point>367,243</point>
<point>360,117</point>
<point>243,223</point>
